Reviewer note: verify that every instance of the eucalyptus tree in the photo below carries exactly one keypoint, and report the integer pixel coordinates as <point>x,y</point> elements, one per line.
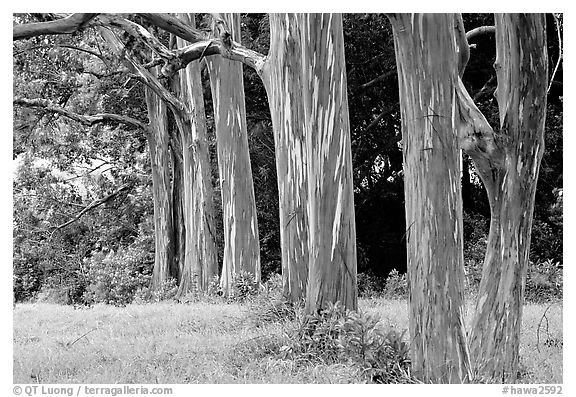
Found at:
<point>438,118</point>
<point>241,243</point>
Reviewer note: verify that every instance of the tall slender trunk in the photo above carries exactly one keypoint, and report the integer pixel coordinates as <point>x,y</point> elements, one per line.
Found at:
<point>178,205</point>
<point>200,256</point>
<point>332,230</point>
<point>282,78</point>
<point>241,244</point>
<point>427,72</point>
<point>164,261</point>
<point>510,180</point>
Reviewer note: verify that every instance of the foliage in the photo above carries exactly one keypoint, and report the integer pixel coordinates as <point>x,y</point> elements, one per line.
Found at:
<point>544,281</point>
<point>244,286</point>
<point>56,156</point>
<point>116,277</point>
<point>369,285</point>
<point>396,285</point>
<point>335,336</point>
<point>475,242</point>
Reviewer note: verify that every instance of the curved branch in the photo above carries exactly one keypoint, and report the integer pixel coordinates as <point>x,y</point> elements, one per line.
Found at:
<point>376,80</point>
<point>82,119</point>
<point>67,25</point>
<point>480,30</point>
<point>92,205</point>
<point>71,47</point>
<point>560,56</point>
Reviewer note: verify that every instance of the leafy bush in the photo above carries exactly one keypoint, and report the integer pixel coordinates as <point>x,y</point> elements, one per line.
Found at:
<point>336,336</point>
<point>396,285</point>
<point>116,277</point>
<point>166,291</point>
<point>244,286</point>
<point>475,242</point>
<point>27,278</point>
<point>544,281</point>
<point>546,242</point>
<point>369,285</point>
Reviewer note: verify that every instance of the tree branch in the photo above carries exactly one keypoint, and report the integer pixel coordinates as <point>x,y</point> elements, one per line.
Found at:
<point>462,44</point>
<point>91,206</point>
<point>140,72</point>
<point>557,23</point>
<point>71,47</point>
<point>85,120</point>
<point>376,80</point>
<point>477,138</point>
<point>480,31</point>
<point>67,25</point>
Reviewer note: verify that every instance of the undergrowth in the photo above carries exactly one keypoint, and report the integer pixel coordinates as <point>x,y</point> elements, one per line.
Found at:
<point>335,336</point>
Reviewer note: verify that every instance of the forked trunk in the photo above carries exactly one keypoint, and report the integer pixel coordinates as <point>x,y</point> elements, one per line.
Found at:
<point>522,70</point>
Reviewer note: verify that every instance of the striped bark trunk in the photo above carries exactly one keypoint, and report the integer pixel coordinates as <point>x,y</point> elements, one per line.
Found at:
<point>332,231</point>
<point>281,75</point>
<point>510,177</point>
<point>164,261</point>
<point>200,255</point>
<point>427,73</point>
<point>241,244</point>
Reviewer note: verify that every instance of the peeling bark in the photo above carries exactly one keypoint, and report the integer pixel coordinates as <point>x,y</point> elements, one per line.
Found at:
<point>282,78</point>
<point>522,70</point>
<point>427,72</point>
<point>241,244</point>
<point>332,230</point>
<point>201,257</point>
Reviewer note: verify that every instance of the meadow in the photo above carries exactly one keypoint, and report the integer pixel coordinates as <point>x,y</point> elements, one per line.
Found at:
<point>214,342</point>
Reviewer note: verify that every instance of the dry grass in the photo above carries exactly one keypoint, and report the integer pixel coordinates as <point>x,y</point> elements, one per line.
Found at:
<point>208,343</point>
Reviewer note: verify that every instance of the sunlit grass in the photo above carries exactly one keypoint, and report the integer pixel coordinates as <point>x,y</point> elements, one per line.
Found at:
<point>209,343</point>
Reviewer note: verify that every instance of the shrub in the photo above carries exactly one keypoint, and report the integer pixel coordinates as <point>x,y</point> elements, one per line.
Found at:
<point>114,278</point>
<point>396,285</point>
<point>336,336</point>
<point>544,281</point>
<point>166,291</point>
<point>369,285</point>
<point>27,278</point>
<point>475,242</point>
<point>244,286</point>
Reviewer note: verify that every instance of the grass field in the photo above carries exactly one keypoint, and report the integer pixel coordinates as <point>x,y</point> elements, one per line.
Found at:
<point>211,343</point>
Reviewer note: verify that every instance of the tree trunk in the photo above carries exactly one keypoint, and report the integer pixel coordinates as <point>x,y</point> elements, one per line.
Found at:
<point>241,245</point>
<point>178,205</point>
<point>164,261</point>
<point>282,78</point>
<point>332,230</point>
<point>427,72</point>
<point>510,180</point>
<point>201,256</point>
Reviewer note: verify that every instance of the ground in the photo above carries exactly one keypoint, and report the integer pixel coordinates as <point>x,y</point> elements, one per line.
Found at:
<point>212,343</point>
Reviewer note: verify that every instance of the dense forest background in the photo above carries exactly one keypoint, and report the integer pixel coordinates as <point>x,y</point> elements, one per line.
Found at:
<point>106,253</point>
